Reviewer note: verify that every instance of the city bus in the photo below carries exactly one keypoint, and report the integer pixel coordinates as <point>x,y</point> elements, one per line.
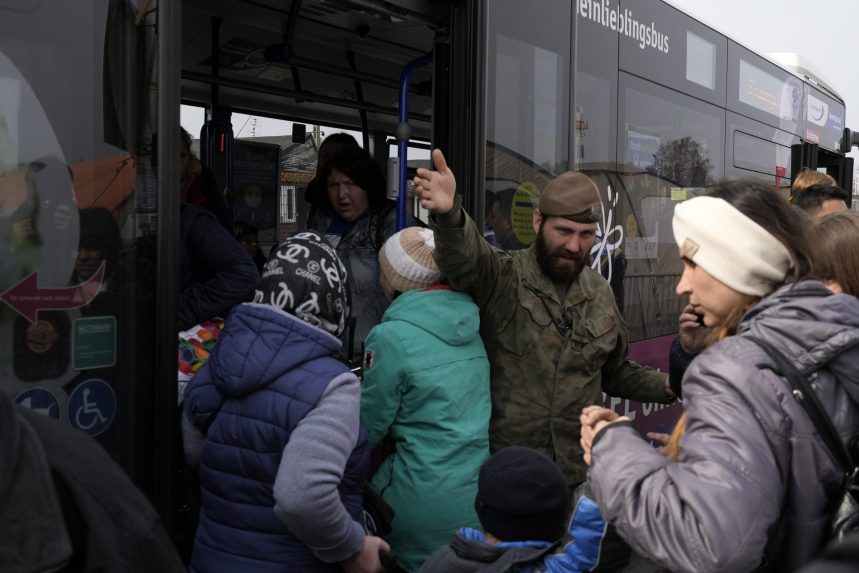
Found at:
<point>651,103</point>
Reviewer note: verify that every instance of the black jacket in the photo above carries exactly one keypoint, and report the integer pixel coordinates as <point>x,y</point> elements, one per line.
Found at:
<point>216,273</point>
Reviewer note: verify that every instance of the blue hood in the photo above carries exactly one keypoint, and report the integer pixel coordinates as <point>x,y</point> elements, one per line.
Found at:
<point>259,344</point>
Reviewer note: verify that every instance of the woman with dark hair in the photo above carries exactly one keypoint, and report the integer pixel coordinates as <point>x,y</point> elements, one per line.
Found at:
<point>748,480</point>
<point>316,192</point>
<point>99,242</point>
<point>356,219</point>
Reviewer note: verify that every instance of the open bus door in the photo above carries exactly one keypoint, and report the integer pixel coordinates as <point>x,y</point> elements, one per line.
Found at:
<point>811,156</point>
<point>89,194</point>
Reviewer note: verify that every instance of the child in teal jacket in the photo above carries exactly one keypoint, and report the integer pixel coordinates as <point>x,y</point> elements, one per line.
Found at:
<point>426,387</point>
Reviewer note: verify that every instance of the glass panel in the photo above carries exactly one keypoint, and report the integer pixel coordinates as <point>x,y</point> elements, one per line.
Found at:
<point>700,61</point>
<point>758,150</point>
<point>666,46</point>
<point>766,92</point>
<point>596,95</point>
<point>77,205</point>
<point>824,120</point>
<point>671,146</point>
<point>759,89</point>
<point>528,76</point>
<point>760,155</point>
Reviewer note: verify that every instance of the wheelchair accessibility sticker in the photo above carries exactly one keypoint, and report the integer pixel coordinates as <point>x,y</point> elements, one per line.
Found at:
<point>92,406</point>
<point>40,401</point>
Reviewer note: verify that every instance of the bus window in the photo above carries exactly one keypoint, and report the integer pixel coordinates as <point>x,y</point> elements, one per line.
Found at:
<point>666,46</point>
<point>761,90</point>
<point>760,155</point>
<point>596,94</point>
<point>78,199</point>
<point>418,156</point>
<point>528,103</point>
<point>671,146</point>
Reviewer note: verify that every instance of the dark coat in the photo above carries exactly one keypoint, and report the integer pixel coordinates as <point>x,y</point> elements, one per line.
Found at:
<point>268,371</point>
<point>216,273</point>
<point>468,553</point>
<point>86,511</point>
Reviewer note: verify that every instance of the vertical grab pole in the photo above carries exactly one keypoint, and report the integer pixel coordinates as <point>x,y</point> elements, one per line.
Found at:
<point>403,134</point>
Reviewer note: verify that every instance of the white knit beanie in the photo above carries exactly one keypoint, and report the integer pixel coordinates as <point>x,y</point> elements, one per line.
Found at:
<point>731,247</point>
<point>406,259</point>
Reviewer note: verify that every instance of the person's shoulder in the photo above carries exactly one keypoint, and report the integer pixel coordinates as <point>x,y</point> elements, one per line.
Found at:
<point>319,218</point>
<point>731,365</point>
<point>386,333</point>
<point>594,280</point>
<point>441,561</point>
<point>456,297</point>
<point>598,286</point>
<point>192,215</point>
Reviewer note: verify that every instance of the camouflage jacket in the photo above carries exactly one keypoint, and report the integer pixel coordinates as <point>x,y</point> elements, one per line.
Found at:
<point>541,378</point>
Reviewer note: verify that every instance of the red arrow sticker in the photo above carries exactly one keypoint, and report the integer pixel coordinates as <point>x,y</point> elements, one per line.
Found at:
<point>27,299</point>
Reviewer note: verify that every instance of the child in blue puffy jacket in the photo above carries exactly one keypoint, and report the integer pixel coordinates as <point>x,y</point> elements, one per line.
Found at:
<point>523,503</point>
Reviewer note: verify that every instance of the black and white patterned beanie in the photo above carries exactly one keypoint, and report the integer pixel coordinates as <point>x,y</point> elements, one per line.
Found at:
<point>305,277</point>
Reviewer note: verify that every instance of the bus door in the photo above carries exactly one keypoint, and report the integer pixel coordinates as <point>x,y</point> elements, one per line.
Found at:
<point>84,221</point>
<point>825,138</point>
<point>811,156</point>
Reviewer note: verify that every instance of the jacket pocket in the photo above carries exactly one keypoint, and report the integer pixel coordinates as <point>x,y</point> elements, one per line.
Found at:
<point>522,332</point>
<point>602,339</point>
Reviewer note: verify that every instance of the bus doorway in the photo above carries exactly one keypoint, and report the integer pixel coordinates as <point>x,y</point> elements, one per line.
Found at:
<point>811,156</point>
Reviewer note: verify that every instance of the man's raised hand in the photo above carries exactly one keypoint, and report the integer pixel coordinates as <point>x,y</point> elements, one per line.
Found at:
<point>436,189</point>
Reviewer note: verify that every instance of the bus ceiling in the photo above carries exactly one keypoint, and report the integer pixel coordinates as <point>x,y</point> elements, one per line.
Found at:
<point>321,61</point>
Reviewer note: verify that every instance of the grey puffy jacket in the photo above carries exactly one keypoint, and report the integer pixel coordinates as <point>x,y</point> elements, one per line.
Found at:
<point>359,251</point>
<point>751,468</point>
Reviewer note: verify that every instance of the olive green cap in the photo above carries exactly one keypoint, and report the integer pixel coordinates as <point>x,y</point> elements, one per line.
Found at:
<point>571,195</point>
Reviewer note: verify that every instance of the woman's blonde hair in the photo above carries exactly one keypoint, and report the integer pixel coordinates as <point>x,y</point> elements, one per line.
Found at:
<point>808,177</point>
<point>727,328</point>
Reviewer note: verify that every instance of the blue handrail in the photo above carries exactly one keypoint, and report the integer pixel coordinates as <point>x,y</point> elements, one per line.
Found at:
<point>404,134</point>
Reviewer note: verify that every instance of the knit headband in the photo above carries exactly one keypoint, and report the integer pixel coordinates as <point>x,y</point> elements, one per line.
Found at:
<point>731,247</point>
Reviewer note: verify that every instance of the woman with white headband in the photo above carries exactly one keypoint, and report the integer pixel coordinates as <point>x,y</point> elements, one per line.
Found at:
<point>749,480</point>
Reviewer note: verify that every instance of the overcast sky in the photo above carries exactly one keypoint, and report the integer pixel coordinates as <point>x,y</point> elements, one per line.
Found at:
<point>818,30</point>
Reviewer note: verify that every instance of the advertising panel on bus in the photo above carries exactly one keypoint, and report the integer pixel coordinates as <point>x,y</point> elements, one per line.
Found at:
<point>823,120</point>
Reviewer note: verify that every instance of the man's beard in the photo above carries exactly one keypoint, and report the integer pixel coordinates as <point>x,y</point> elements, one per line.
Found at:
<point>551,262</point>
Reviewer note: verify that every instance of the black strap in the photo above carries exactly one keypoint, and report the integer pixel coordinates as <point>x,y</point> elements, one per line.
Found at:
<point>807,398</point>
<point>563,326</point>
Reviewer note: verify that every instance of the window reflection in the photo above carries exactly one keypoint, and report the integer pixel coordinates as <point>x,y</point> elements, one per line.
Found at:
<point>672,146</point>
<point>527,99</point>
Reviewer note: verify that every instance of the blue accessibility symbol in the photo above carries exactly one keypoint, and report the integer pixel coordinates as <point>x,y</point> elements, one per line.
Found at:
<point>92,406</point>
<point>41,401</point>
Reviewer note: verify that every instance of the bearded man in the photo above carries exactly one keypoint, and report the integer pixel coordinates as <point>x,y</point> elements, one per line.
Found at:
<point>552,331</point>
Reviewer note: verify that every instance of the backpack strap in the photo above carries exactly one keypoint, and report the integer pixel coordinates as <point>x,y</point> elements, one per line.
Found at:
<point>807,398</point>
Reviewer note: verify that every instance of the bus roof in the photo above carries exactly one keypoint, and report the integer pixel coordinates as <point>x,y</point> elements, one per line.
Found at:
<point>791,62</point>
